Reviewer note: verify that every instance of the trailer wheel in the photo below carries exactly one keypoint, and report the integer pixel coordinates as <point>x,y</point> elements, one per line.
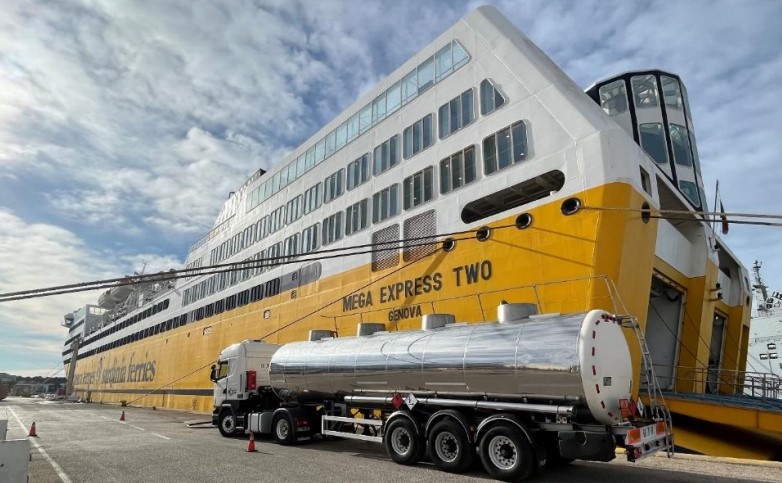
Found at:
<point>450,447</point>
<point>283,429</point>
<point>506,454</point>
<point>402,442</point>
<point>227,423</point>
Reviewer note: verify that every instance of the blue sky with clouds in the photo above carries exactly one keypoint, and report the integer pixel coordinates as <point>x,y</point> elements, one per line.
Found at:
<point>124,124</point>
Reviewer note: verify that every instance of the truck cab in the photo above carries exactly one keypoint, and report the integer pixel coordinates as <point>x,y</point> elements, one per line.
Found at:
<point>241,383</point>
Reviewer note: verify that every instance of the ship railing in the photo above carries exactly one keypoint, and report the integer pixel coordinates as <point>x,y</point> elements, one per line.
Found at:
<point>211,234</point>
<point>725,382</point>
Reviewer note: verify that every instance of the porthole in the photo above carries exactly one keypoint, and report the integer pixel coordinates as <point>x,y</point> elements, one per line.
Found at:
<point>646,212</point>
<point>523,221</point>
<point>483,233</point>
<point>449,244</point>
<point>571,206</point>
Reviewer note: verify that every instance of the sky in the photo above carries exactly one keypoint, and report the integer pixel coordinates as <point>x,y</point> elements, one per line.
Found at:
<point>124,124</point>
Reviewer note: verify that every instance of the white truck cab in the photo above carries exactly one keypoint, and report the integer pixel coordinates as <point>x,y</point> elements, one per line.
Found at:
<point>241,378</point>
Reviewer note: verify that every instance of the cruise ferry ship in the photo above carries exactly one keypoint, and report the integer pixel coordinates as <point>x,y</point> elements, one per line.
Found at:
<point>477,172</point>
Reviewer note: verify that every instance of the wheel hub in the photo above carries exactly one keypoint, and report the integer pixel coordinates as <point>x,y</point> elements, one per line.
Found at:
<point>502,452</point>
<point>400,441</point>
<point>447,447</point>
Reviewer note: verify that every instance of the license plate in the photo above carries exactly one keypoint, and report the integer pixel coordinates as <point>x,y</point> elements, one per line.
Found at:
<point>648,432</point>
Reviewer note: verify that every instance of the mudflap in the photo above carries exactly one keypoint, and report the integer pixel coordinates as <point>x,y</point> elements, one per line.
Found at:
<point>587,445</point>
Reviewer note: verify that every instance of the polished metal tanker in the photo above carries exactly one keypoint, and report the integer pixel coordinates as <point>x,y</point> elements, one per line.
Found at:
<point>578,358</point>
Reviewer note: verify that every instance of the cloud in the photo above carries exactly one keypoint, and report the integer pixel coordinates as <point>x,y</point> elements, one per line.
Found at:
<point>129,123</point>
<point>43,255</point>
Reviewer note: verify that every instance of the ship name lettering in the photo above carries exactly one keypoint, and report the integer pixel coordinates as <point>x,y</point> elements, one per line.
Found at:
<point>357,301</point>
<point>473,273</point>
<point>404,313</point>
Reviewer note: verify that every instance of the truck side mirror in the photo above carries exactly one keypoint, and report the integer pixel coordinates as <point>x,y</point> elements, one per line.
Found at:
<point>212,374</point>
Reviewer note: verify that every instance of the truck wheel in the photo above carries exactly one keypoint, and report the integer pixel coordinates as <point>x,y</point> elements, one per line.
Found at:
<point>506,454</point>
<point>283,429</point>
<point>449,447</point>
<point>227,423</point>
<point>402,442</point>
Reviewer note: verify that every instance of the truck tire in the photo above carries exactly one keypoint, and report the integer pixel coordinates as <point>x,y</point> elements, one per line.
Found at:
<point>283,430</point>
<point>226,423</point>
<point>506,454</point>
<point>402,443</point>
<point>449,447</point>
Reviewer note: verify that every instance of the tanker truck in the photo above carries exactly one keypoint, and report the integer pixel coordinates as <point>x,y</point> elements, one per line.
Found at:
<point>521,393</point>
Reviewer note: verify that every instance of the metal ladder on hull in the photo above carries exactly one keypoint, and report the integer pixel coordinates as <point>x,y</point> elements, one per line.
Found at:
<point>657,407</point>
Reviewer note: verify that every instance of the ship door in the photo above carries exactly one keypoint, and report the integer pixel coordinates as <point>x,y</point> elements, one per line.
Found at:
<point>716,351</point>
<point>663,322</point>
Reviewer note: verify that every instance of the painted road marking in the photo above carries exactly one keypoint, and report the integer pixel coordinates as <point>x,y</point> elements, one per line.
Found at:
<point>136,427</point>
<point>57,468</point>
<point>161,436</point>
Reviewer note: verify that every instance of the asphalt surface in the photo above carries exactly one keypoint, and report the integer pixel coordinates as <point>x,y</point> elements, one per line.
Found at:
<point>88,443</point>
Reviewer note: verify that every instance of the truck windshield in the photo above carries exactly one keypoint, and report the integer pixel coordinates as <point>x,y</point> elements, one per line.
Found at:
<point>222,369</point>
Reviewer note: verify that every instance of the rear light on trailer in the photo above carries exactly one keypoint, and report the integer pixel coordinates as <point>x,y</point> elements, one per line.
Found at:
<point>628,408</point>
<point>634,436</point>
<point>251,380</point>
<point>660,427</point>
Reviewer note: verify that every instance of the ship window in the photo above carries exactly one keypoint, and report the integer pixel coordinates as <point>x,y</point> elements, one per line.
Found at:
<point>491,99</point>
<point>646,182</point>
<point>358,171</point>
<point>309,238</point>
<point>763,357</point>
<point>689,190</point>
<point>426,75</point>
<point>409,87</point>
<point>393,98</point>
<point>169,324</point>
<point>332,228</point>
<point>312,199</point>
<point>517,195</point>
<point>356,217</point>
<point>653,141</point>
<point>417,136</point>
<point>681,145</point>
<point>293,210</point>
<point>613,98</point>
<point>771,346</point>
<point>385,203</point>
<point>443,62</point>
<point>644,91</point>
<point>386,254</point>
<point>773,355</point>
<point>671,92</point>
<point>455,114</point>
<point>504,148</point>
<point>457,170</point>
<point>333,186</point>
<point>379,108</point>
<point>386,155</point>
<point>365,118</point>
<point>418,188</point>
<point>291,245</point>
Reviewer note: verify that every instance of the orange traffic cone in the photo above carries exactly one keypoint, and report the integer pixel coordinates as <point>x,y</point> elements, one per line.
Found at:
<point>251,444</point>
<point>32,431</point>
<point>122,416</point>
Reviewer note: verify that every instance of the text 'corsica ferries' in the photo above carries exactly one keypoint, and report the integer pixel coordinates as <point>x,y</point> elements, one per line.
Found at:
<point>476,173</point>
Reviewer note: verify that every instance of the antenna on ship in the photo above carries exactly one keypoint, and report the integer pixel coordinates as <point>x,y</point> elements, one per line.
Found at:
<point>759,285</point>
